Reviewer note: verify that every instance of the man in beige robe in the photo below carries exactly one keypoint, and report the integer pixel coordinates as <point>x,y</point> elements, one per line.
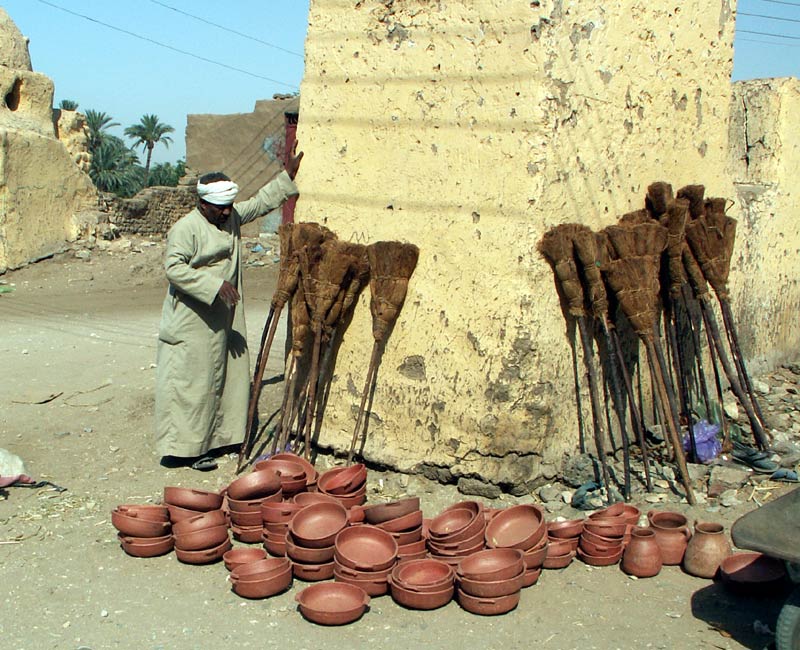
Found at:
<point>203,376</point>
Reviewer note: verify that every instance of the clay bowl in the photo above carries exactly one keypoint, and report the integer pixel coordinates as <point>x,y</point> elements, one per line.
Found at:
<point>255,485</point>
<point>452,560</point>
<point>599,560</point>
<point>200,521</point>
<point>317,525</point>
<point>535,557</point>
<point>303,499</point>
<point>260,569</point>
<point>238,556</point>
<point>600,550</point>
<point>264,588</point>
<point>355,515</point>
<point>407,537</point>
<point>531,576</point>
<point>333,603</point>
<point>176,513</point>
<point>146,546</point>
<point>450,522</point>
<point>286,469</point>
<point>383,574</point>
<point>246,519</point>
<point>191,499</point>
<point>614,510</point>
<point>631,514</point>
<point>311,472</point>
<point>493,588</point>
<point>247,534</point>
<point>488,606</point>
<point>197,540</point>
<point>420,600</point>
<point>599,539</point>
<point>560,546</point>
<point>458,552</point>
<point>312,572</point>
<point>146,511</point>
<point>205,556</point>
<point>372,587</point>
<point>343,480</point>
<point>492,565</point>
<point>307,555</point>
<point>412,547</point>
<point>565,529</point>
<point>252,505</point>
<point>406,522</point>
<point>138,527</point>
<point>381,512</point>
<point>340,496</point>
<point>751,571</point>
<point>279,512</point>
<point>356,499</point>
<point>468,543</point>
<point>605,528</point>
<point>558,561</point>
<point>519,527</point>
<point>275,546</point>
<point>423,575</point>
<point>365,548</point>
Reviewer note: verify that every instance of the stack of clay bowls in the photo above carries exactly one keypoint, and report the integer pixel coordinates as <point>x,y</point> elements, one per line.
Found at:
<point>422,584</point>
<point>275,517</point>
<point>523,527</point>
<point>183,503</point>
<point>602,540</point>
<point>202,539</point>
<point>348,485</point>
<point>312,475</point>
<point>261,578</point>
<point>562,542</point>
<point>245,496</point>
<point>455,533</point>
<point>144,530</point>
<point>364,556</point>
<point>243,555</point>
<point>332,603</point>
<point>490,581</point>
<point>293,474</point>
<point>403,520</point>
<point>310,539</point>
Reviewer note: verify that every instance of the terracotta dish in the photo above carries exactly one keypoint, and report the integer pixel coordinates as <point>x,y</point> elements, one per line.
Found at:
<point>146,546</point>
<point>492,564</point>
<point>311,471</point>
<point>145,511</point>
<point>200,521</point>
<point>488,606</point>
<point>492,589</point>
<point>332,603</point>
<point>565,529</point>
<point>751,570</point>
<point>317,525</point>
<point>371,586</point>
<point>247,534</point>
<point>260,569</point>
<point>255,485</point>
<point>599,560</point>
<point>286,469</point>
<point>206,556</point>
<point>449,522</point>
<point>518,527</point>
<point>343,480</point>
<point>559,561</point>
<point>266,587</point>
<point>406,522</point>
<point>134,526</point>
<point>423,575</point>
<point>365,548</point>
<point>313,572</point>
<point>246,519</point>
<point>420,600</point>
<point>280,512</point>
<point>238,556</point>
<point>531,577</point>
<point>303,499</point>
<point>191,499</point>
<point>381,512</point>
<point>200,539</point>
<point>307,555</point>
<point>176,513</point>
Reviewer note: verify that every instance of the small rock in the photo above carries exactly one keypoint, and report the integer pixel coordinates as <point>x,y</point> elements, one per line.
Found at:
<point>83,254</point>
<point>728,499</point>
<point>698,472</point>
<point>578,470</point>
<point>62,434</point>
<point>654,498</point>
<point>731,408</point>
<point>549,493</point>
<point>661,483</point>
<point>728,477</point>
<point>595,502</point>
<point>566,496</point>
<point>103,613</point>
<point>476,487</point>
<point>403,480</point>
<point>760,386</point>
<point>668,473</point>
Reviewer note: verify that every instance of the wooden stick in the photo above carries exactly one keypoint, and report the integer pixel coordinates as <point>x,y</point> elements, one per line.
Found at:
<point>312,390</point>
<point>679,363</point>
<point>373,362</point>
<point>698,352</point>
<point>617,394</point>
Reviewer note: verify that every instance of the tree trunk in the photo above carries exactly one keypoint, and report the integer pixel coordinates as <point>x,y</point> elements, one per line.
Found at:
<point>147,165</point>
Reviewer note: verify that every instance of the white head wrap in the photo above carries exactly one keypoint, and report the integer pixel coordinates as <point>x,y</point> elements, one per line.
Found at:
<point>218,192</point>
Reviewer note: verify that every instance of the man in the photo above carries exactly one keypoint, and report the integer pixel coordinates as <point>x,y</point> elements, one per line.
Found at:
<point>203,377</point>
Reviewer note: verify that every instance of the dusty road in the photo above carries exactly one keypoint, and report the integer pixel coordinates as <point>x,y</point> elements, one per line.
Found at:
<point>85,332</point>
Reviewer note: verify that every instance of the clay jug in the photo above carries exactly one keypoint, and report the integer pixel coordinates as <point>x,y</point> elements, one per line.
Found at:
<point>672,534</point>
<point>642,557</point>
<point>707,548</point>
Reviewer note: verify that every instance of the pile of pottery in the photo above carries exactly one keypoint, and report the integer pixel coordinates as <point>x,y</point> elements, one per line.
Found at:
<point>364,556</point>
<point>183,503</point>
<point>606,533</point>
<point>403,520</point>
<point>310,539</point>
<point>335,603</point>
<point>562,538</point>
<point>422,584</point>
<point>244,498</point>
<point>294,475</point>
<point>348,485</point>
<point>261,578</point>
<point>199,524</point>
<point>523,528</point>
<point>490,581</point>
<point>143,530</point>
<point>456,532</point>
<point>275,519</point>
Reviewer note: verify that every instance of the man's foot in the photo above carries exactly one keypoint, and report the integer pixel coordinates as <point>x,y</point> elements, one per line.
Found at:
<point>202,464</point>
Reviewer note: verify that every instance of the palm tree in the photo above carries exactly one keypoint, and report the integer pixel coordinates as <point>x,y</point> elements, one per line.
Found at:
<point>98,123</point>
<point>115,167</point>
<point>147,133</point>
<point>68,105</point>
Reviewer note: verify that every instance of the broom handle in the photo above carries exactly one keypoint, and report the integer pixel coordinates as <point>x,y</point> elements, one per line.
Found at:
<point>636,416</point>
<point>288,401</point>
<point>733,340</point>
<point>599,434</point>
<point>679,363</point>
<point>618,407</point>
<point>711,324</point>
<point>658,374</point>
<point>367,383</point>
<point>698,353</point>
<point>666,379</point>
<point>312,390</point>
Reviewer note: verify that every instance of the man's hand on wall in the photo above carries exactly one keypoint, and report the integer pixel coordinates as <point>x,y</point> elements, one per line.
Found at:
<point>293,164</point>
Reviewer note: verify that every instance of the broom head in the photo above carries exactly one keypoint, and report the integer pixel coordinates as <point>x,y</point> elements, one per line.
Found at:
<point>391,265</point>
<point>557,247</point>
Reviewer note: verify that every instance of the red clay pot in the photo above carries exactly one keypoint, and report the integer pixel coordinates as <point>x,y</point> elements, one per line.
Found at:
<point>565,529</point>
<point>707,548</point>
<point>134,526</point>
<point>642,556</point>
<point>672,534</point>
<point>147,511</point>
<point>312,572</point>
<point>200,521</point>
<point>317,525</point>
<point>492,589</point>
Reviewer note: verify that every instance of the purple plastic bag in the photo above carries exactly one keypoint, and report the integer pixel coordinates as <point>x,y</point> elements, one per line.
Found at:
<point>706,442</point>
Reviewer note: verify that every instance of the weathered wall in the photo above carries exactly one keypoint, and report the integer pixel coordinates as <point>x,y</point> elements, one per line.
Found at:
<point>470,128</point>
<point>152,211</point>
<point>41,187</point>
<point>765,167</point>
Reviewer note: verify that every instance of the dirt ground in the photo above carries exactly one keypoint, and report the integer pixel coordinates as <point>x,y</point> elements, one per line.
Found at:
<point>84,331</point>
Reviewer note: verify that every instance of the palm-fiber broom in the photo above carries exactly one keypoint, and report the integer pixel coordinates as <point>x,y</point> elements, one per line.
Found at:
<point>391,265</point>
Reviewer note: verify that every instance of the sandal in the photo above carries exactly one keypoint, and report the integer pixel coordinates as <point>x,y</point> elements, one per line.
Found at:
<point>758,461</point>
<point>785,475</point>
<point>204,464</point>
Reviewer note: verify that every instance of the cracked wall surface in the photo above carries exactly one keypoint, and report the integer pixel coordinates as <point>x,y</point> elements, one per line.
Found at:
<point>765,166</point>
<point>469,129</point>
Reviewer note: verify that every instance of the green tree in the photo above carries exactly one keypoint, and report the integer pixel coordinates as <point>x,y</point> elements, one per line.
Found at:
<point>115,167</point>
<point>98,124</point>
<point>166,174</point>
<point>147,134</point>
<point>68,105</point>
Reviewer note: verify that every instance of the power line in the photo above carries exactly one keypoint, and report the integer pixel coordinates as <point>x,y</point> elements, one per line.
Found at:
<point>755,40</point>
<point>168,47</point>
<point>226,29</point>
<point>783,2</point>
<point>788,20</point>
<point>747,31</point>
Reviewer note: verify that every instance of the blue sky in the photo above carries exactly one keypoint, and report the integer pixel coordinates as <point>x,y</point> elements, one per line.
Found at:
<point>126,77</point>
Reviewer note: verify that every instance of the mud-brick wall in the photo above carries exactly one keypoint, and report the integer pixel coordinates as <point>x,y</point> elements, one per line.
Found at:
<point>470,127</point>
<point>765,167</point>
<point>153,210</point>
